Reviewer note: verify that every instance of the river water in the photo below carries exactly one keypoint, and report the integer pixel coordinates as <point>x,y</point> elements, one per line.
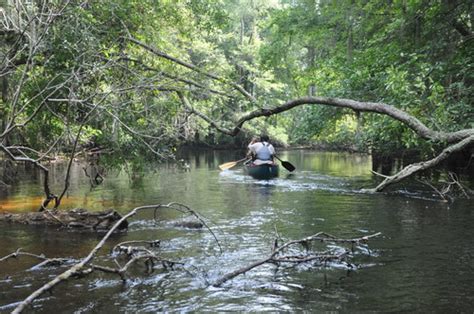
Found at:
<point>422,262</point>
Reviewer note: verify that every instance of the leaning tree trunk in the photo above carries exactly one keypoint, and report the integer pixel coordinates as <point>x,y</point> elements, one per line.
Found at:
<point>423,165</point>
<point>457,141</point>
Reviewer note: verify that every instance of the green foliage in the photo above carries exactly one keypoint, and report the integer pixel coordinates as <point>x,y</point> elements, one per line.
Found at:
<point>406,54</point>
<point>403,53</point>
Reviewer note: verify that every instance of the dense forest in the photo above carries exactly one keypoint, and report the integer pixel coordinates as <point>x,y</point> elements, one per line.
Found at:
<point>128,84</point>
<point>141,78</point>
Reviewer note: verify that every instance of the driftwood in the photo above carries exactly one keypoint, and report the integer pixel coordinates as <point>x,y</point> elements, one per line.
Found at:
<point>78,218</point>
<point>277,257</point>
<point>85,266</point>
<point>128,253</point>
<point>81,219</point>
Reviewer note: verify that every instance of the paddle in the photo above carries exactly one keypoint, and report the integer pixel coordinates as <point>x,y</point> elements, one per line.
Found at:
<point>231,164</point>
<point>288,166</point>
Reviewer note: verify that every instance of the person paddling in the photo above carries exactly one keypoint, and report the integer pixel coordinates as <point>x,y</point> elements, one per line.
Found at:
<point>262,151</point>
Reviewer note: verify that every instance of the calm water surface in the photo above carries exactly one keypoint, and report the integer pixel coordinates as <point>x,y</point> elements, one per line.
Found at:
<point>423,262</point>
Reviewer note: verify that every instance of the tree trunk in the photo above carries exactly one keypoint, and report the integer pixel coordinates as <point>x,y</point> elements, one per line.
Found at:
<point>350,39</point>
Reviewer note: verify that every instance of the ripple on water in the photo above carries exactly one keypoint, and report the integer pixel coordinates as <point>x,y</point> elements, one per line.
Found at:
<point>104,283</point>
<point>304,181</point>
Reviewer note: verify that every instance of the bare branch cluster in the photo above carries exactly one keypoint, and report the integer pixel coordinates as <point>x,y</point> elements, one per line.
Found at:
<point>449,187</point>
<point>134,254</point>
<point>278,253</point>
<point>127,254</point>
<point>70,96</point>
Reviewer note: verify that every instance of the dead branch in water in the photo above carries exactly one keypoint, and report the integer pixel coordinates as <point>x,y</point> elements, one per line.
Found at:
<point>321,257</point>
<point>84,266</point>
<point>129,253</point>
<point>424,165</point>
<point>45,261</point>
<point>449,188</point>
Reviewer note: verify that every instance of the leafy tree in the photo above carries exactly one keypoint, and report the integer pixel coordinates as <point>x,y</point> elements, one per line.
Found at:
<point>139,78</point>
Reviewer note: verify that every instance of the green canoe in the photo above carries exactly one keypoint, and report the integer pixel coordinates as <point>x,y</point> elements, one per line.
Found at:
<point>262,172</point>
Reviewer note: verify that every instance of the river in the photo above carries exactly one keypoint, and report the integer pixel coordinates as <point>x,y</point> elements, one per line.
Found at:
<point>422,262</point>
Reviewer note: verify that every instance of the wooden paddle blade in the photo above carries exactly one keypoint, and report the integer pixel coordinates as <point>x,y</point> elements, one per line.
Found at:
<point>288,166</point>
<point>231,164</point>
<point>228,165</point>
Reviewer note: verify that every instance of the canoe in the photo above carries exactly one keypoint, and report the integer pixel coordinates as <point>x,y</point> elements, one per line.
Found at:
<point>261,172</point>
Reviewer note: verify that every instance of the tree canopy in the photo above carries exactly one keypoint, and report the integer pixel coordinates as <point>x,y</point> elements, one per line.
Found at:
<point>139,78</point>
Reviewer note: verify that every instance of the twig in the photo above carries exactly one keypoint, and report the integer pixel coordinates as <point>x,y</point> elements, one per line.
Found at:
<point>379,174</point>
<point>71,159</point>
<point>54,217</point>
<point>456,181</point>
<point>44,260</point>
<point>17,253</point>
<point>441,194</point>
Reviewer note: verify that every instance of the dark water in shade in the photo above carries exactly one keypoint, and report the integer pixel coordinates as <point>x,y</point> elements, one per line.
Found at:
<point>424,261</point>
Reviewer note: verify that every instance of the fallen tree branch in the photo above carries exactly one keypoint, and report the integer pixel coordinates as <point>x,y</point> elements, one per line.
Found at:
<point>413,123</point>
<point>289,252</point>
<point>80,267</point>
<point>19,252</point>
<point>420,166</point>
<point>274,257</point>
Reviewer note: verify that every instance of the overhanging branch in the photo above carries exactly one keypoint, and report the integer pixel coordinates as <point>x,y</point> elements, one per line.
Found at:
<point>190,66</point>
<point>381,108</point>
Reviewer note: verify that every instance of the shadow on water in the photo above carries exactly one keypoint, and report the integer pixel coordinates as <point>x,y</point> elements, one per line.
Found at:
<point>422,263</point>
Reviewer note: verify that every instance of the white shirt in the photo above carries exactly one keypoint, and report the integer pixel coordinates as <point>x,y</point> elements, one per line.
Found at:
<point>256,150</point>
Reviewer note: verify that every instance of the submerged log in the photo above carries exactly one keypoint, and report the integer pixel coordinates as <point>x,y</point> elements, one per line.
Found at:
<point>78,218</point>
<point>188,223</point>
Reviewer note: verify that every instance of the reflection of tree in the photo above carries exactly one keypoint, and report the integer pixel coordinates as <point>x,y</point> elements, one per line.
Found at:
<point>261,192</point>
<point>340,164</point>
